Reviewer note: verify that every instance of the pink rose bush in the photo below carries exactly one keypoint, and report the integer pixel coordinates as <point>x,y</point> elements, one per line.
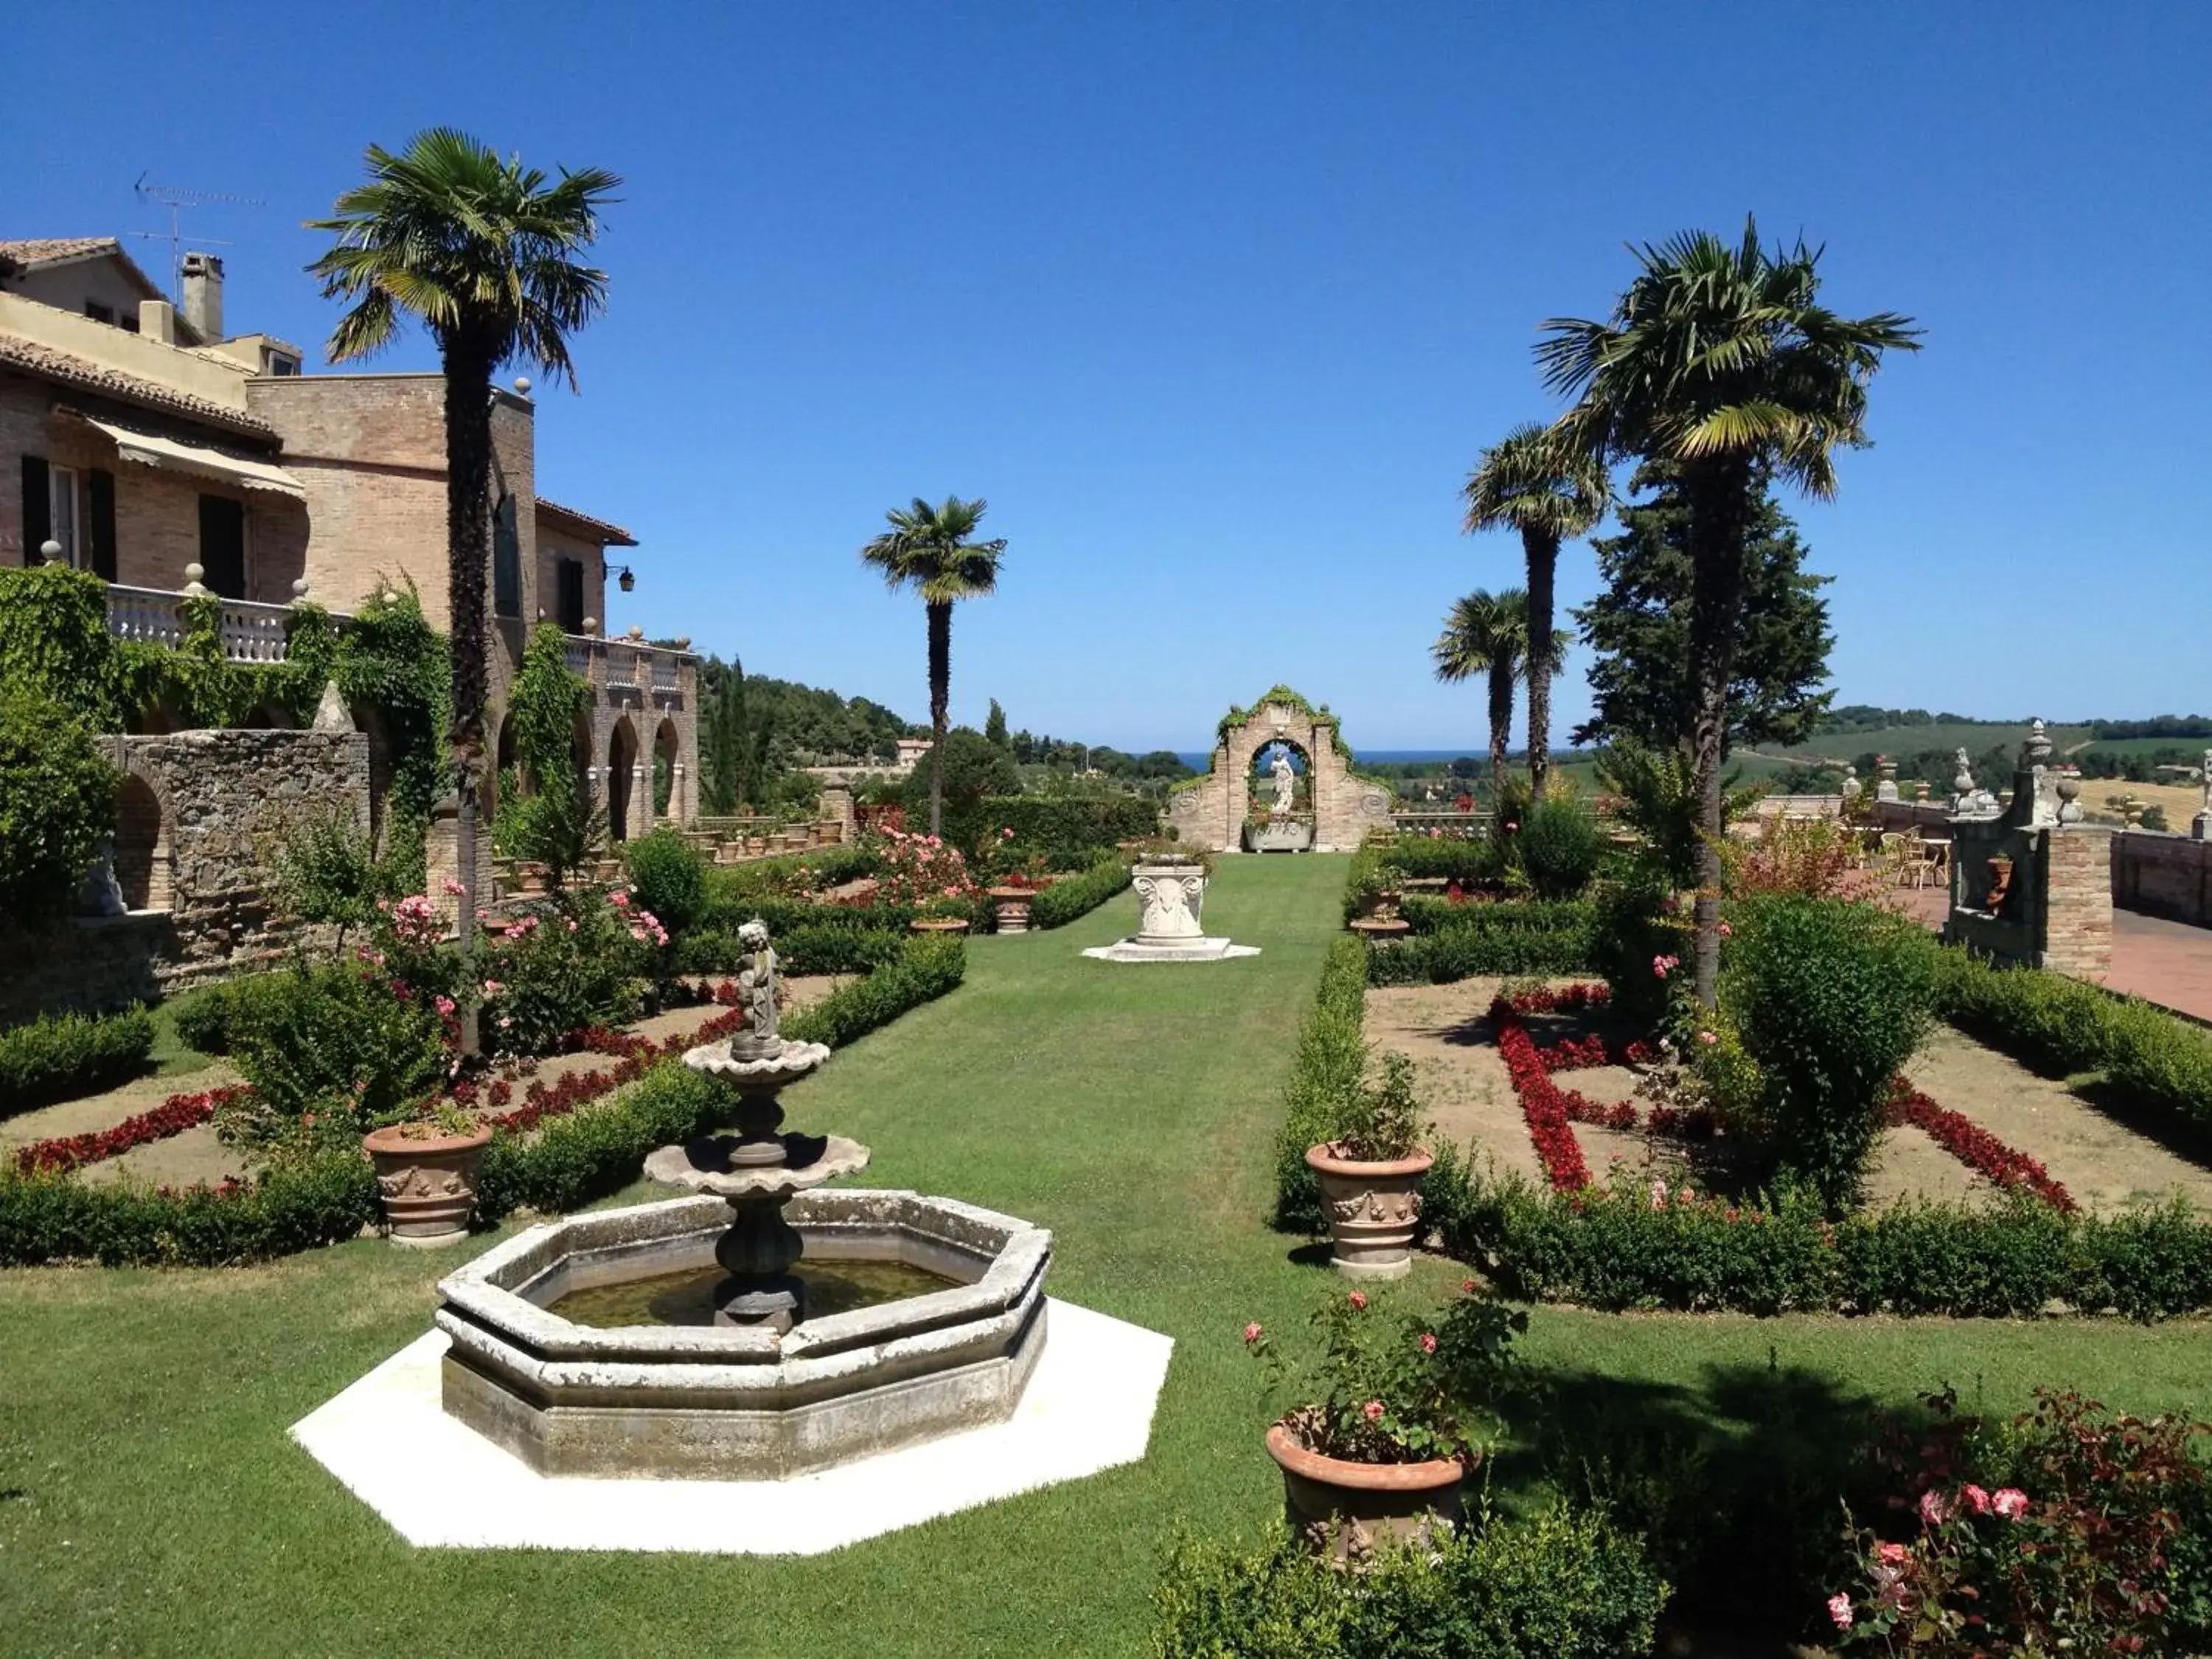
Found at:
<point>1382,1389</point>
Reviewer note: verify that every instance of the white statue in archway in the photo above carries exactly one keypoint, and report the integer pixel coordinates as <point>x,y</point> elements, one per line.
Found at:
<point>1286,780</point>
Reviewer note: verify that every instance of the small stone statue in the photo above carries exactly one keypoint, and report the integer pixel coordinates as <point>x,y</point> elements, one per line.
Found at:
<point>2205,777</point>
<point>757,995</point>
<point>1286,782</point>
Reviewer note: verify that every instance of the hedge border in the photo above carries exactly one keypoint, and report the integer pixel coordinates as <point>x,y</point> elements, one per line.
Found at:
<point>58,1057</point>
<point>1072,897</point>
<point>46,1217</point>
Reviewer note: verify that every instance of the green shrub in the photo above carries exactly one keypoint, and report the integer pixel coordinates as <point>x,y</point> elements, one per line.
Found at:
<point>977,773</point>
<point>1070,832</point>
<point>55,644</point>
<point>334,1043</point>
<point>1560,846</point>
<point>559,968</point>
<point>61,1056</point>
<point>1563,1584</point>
<point>1636,919</point>
<point>926,968</point>
<point>1831,998</point>
<point>1079,895</point>
<point>1327,1073</point>
<point>1471,861</point>
<point>801,950</point>
<point>202,1017</point>
<point>1454,942</point>
<point>57,800</point>
<point>668,878</point>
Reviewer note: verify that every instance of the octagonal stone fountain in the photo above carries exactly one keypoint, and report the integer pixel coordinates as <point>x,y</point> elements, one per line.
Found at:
<point>686,1339</point>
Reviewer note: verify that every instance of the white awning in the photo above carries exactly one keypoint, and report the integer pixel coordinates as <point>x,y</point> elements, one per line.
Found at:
<point>174,456</point>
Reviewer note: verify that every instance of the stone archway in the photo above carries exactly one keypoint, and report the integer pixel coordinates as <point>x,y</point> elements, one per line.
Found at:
<point>668,779</point>
<point>1340,806</point>
<point>144,863</point>
<point>622,760</point>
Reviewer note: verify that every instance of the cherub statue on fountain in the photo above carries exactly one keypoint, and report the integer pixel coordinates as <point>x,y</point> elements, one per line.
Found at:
<point>757,996</point>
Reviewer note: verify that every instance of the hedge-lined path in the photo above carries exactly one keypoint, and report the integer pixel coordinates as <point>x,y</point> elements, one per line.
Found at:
<point>150,1502</point>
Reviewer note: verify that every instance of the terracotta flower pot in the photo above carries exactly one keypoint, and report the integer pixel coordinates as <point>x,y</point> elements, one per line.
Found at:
<point>1010,909</point>
<point>939,924</point>
<point>1343,1510</point>
<point>1382,926</point>
<point>429,1184</point>
<point>1374,1211</point>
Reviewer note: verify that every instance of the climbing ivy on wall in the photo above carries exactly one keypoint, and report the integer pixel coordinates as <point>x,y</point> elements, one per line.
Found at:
<point>54,642</point>
<point>543,702</point>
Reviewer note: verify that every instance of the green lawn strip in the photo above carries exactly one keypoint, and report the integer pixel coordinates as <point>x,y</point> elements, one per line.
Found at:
<point>150,1502</point>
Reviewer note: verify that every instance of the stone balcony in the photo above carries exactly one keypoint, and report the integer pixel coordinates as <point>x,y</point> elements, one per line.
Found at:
<point>627,672</point>
<point>252,632</point>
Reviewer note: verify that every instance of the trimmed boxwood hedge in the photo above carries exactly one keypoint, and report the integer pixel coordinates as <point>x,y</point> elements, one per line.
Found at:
<point>1070,831</point>
<point>2151,1060</point>
<point>1326,1072</point>
<point>2015,1257</point>
<point>571,1161</point>
<point>1079,895</point>
<point>1457,941</point>
<point>61,1056</point>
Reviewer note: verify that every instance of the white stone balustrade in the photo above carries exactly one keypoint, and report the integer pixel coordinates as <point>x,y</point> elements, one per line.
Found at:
<point>251,632</point>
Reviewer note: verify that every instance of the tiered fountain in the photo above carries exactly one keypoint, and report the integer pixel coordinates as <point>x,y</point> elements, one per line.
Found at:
<point>684,1337</point>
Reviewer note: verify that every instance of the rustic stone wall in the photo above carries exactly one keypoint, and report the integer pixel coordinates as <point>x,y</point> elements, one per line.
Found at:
<point>1212,812</point>
<point>199,819</point>
<point>89,965</point>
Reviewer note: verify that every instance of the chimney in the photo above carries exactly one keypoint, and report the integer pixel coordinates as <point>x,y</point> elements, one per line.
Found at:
<point>203,294</point>
<point>157,320</point>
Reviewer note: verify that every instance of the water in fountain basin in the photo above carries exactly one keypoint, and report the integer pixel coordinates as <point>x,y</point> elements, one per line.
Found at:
<point>686,1297</point>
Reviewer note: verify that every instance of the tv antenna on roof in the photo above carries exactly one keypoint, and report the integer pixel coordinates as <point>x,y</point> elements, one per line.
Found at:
<point>177,199</point>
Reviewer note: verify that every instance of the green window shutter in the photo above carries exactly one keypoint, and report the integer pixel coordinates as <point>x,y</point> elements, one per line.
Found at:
<point>38,508</point>
<point>99,489</point>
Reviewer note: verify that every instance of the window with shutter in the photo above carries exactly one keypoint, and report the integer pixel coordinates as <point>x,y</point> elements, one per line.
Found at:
<point>99,525</point>
<point>38,506</point>
<point>222,546</point>
<point>571,595</point>
<point>506,561</point>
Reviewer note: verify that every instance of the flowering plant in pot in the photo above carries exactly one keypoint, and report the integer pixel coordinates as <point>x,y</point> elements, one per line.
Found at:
<point>1389,1416</point>
<point>1370,1173</point>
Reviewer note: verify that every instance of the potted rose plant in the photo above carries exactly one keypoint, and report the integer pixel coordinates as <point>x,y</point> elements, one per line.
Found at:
<point>1371,1176</point>
<point>1388,1420</point>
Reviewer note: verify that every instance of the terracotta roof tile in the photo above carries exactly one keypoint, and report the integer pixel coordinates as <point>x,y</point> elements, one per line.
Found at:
<point>612,535</point>
<point>39,250</point>
<point>33,358</point>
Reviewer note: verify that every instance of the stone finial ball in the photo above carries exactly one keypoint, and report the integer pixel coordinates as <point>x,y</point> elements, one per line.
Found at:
<point>51,550</point>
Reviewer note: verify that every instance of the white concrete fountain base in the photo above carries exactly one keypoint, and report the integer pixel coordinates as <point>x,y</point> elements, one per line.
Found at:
<point>1180,950</point>
<point>441,1484</point>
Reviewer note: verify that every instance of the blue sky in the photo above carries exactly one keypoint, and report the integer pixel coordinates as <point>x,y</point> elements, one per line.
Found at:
<point>1217,303</point>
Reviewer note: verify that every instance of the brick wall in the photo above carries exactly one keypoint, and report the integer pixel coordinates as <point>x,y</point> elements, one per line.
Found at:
<point>2163,875</point>
<point>2077,907</point>
<point>157,523</point>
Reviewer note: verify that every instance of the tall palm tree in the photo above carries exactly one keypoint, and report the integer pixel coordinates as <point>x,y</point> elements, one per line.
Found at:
<point>1487,633</point>
<point>1719,359</point>
<point>1551,493</point>
<point>483,252</point>
<point>928,548</point>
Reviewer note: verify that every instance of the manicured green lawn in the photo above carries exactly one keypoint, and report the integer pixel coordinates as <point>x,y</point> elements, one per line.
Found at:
<point>150,1502</point>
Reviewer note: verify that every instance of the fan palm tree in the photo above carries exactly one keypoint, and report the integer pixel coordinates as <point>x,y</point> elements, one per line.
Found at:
<point>1551,493</point>
<point>1487,633</point>
<point>928,548</point>
<point>483,252</point>
<point>1720,361</point>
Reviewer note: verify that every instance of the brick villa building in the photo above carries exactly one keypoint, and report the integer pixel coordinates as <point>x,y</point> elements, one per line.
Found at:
<point>138,439</point>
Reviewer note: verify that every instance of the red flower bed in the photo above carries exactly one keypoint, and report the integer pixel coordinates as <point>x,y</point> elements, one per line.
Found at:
<point>172,1117</point>
<point>1975,1146</point>
<point>1552,1112</point>
<point>1542,1102</point>
<point>181,1112</point>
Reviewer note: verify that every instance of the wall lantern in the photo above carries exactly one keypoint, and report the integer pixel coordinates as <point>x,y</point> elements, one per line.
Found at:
<point>627,582</point>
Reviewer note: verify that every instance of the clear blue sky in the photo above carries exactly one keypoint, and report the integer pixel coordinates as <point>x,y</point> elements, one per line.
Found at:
<point>1217,303</point>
